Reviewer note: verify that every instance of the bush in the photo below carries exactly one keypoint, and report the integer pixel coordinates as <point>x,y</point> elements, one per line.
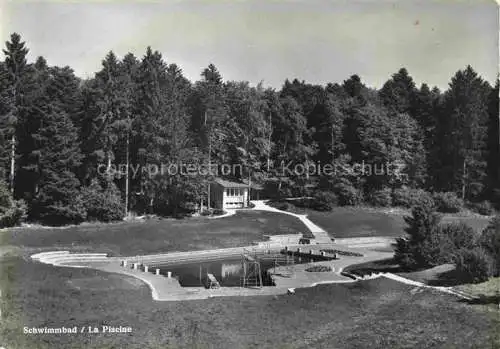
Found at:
<point>459,234</point>
<point>218,212</point>
<point>448,202</point>
<point>205,212</point>
<point>61,213</point>
<point>342,253</point>
<point>347,194</point>
<point>381,198</point>
<point>408,197</point>
<point>102,204</point>
<point>475,265</point>
<point>14,215</point>
<point>281,205</point>
<point>319,269</point>
<point>490,242</point>
<point>484,208</point>
<point>12,212</point>
<point>324,201</point>
<point>452,238</point>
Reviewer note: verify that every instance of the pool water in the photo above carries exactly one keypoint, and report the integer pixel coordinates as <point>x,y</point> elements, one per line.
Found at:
<point>228,272</point>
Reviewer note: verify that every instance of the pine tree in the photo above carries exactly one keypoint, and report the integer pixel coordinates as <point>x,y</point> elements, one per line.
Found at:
<point>247,125</point>
<point>353,86</point>
<point>209,117</point>
<point>174,120</point>
<point>398,93</point>
<point>129,67</point>
<point>7,121</point>
<point>58,200</point>
<point>112,105</point>
<point>494,146</point>
<point>419,248</point>
<point>426,112</point>
<point>461,135</point>
<point>17,69</point>
<point>34,112</point>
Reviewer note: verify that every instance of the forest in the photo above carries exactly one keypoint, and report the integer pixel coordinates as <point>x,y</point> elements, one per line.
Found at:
<point>74,150</point>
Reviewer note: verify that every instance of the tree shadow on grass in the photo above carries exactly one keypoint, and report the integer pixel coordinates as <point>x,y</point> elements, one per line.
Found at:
<point>381,266</point>
<point>483,299</point>
<point>449,278</point>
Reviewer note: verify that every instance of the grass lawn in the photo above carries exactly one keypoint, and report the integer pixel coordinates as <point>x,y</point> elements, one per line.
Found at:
<point>379,313</point>
<point>344,222</point>
<point>490,288</point>
<point>154,236</point>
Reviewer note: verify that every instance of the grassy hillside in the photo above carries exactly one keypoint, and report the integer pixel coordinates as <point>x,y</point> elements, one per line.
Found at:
<point>372,314</point>
<point>344,222</point>
<point>156,235</point>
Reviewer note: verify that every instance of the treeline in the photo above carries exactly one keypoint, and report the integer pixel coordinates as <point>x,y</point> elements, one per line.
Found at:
<point>66,143</point>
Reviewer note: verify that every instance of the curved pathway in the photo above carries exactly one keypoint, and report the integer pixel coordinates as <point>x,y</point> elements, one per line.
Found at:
<point>320,235</point>
<point>229,212</point>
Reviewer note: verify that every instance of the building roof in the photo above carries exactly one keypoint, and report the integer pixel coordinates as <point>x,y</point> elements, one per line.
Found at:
<point>229,184</point>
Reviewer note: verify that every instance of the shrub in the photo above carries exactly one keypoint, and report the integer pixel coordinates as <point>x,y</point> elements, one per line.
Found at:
<point>448,202</point>
<point>319,269</point>
<point>490,242</point>
<point>304,202</point>
<point>324,201</point>
<point>347,194</point>
<point>102,204</point>
<point>452,238</point>
<point>484,208</point>
<point>381,198</point>
<point>409,197</point>
<point>61,213</point>
<point>281,205</point>
<point>206,212</point>
<point>218,212</point>
<point>12,212</point>
<point>342,253</point>
<point>474,265</point>
<point>460,235</point>
<point>14,215</point>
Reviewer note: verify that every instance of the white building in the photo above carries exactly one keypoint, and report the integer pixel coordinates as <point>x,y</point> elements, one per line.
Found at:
<point>226,194</point>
